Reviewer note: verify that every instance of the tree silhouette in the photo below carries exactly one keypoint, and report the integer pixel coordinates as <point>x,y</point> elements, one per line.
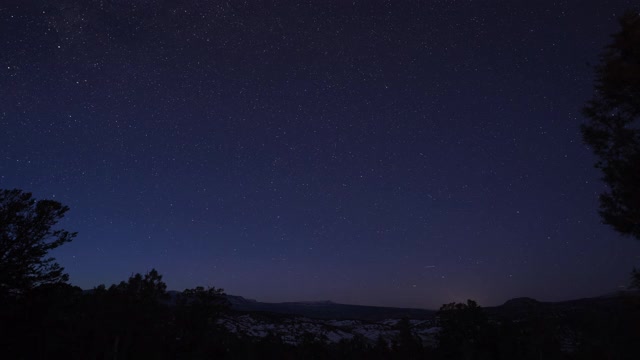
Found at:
<point>130,318</point>
<point>196,312</point>
<point>144,290</point>
<point>612,129</point>
<point>462,328</point>
<point>635,279</point>
<point>26,237</point>
<point>408,345</point>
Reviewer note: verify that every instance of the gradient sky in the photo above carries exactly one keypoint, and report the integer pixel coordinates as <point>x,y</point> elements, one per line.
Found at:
<point>396,153</point>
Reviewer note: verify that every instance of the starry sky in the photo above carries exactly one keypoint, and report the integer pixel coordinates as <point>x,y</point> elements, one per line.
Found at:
<point>399,153</point>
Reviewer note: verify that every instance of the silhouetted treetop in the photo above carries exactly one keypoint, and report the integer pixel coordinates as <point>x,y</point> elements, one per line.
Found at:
<point>27,235</point>
<point>148,288</point>
<point>612,129</point>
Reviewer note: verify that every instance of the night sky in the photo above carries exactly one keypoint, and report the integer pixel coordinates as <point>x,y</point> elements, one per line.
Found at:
<point>394,153</point>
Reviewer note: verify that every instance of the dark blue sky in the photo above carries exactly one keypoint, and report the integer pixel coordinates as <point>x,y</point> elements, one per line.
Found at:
<point>384,153</point>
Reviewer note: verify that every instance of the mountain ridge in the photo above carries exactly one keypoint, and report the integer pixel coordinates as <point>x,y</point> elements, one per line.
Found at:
<point>328,309</point>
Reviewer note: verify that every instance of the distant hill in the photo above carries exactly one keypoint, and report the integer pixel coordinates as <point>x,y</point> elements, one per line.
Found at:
<point>514,308</point>
<point>613,303</point>
<point>328,310</point>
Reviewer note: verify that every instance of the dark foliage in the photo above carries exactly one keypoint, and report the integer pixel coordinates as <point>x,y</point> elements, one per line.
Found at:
<point>27,235</point>
<point>462,329</point>
<point>194,324</point>
<point>612,129</point>
<point>131,320</point>
<point>407,345</point>
<point>135,320</point>
<point>635,279</point>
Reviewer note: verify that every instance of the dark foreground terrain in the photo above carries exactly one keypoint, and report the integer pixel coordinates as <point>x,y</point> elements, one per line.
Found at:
<point>138,319</point>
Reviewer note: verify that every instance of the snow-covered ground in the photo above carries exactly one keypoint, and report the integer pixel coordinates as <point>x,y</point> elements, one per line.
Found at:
<point>292,329</point>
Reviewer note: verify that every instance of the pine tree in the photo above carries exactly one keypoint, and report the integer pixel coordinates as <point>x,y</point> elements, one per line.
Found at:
<point>612,130</point>
<point>27,235</point>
